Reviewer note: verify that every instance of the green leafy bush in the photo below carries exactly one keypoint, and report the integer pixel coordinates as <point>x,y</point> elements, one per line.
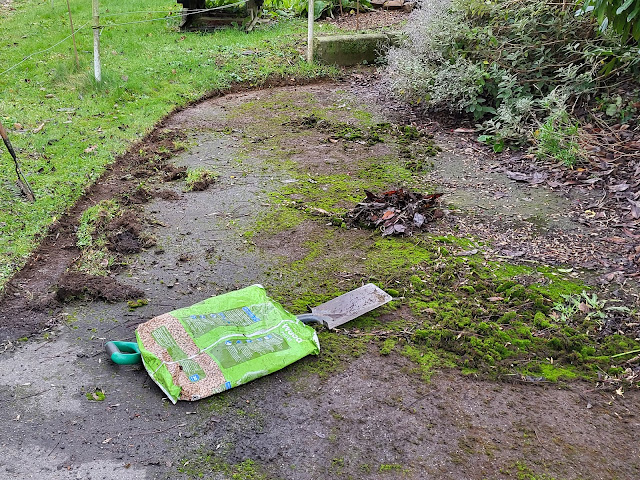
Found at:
<point>513,66</point>
<point>623,16</point>
<point>557,138</point>
<point>320,7</point>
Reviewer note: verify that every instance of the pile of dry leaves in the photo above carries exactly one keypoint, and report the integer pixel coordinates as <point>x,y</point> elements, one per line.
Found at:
<point>396,212</point>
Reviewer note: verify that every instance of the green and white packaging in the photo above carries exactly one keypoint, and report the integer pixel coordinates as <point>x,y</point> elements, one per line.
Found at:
<point>222,342</point>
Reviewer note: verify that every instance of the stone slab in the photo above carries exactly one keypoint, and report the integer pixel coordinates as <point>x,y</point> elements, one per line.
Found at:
<point>349,50</point>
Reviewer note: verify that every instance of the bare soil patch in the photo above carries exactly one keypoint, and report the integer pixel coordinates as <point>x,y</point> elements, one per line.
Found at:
<point>28,300</point>
<point>74,286</point>
<point>372,20</point>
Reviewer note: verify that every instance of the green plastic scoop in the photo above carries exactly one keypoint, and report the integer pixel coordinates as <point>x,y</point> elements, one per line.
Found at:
<point>123,353</point>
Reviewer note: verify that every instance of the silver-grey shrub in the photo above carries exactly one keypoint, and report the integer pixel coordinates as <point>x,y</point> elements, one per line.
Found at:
<point>509,64</point>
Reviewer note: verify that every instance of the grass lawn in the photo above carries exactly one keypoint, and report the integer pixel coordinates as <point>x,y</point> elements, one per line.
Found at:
<point>148,68</point>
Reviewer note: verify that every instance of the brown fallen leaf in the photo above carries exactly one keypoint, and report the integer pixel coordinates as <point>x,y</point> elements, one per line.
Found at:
<point>617,240</point>
<point>538,177</point>
<point>584,308</point>
<point>619,188</point>
<point>90,149</point>
<point>518,176</point>
<point>591,181</point>
<point>388,214</point>
<point>614,276</point>
<point>495,299</point>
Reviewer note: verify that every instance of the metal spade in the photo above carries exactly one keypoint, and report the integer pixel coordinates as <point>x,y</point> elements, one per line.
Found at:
<point>346,307</point>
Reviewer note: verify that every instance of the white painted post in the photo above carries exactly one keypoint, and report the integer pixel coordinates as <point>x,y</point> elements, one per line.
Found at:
<point>310,32</point>
<point>96,41</point>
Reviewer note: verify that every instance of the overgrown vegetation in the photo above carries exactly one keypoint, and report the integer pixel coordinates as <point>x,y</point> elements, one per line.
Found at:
<point>523,70</point>
<point>321,8</point>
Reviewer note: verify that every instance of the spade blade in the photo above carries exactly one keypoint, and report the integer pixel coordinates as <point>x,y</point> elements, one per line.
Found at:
<point>351,305</point>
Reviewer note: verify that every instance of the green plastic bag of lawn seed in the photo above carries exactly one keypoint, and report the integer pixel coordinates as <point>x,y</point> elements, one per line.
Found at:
<point>222,342</point>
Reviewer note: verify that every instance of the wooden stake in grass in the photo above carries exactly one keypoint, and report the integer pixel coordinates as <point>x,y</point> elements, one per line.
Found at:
<point>73,35</point>
<point>96,41</point>
<point>22,181</point>
<point>310,32</point>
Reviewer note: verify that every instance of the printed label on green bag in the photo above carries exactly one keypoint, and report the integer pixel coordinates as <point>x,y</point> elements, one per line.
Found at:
<point>222,342</point>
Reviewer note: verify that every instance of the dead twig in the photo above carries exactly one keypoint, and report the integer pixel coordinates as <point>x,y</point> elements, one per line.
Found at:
<point>540,441</point>
<point>33,394</point>
<point>22,181</point>
<point>56,446</point>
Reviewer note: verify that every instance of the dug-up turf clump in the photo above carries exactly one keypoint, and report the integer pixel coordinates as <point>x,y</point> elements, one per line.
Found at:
<point>396,212</point>
<point>199,179</point>
<point>107,233</point>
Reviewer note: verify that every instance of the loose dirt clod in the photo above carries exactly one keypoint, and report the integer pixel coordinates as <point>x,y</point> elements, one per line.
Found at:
<point>167,194</point>
<point>171,172</point>
<point>124,234</point>
<point>140,196</point>
<point>79,285</point>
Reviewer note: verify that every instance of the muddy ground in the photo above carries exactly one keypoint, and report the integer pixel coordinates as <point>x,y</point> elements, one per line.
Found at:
<point>375,416</point>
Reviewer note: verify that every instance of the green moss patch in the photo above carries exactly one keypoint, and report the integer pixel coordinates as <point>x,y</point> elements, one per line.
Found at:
<point>96,396</point>
<point>203,465</point>
<point>489,318</point>
<point>463,313</point>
